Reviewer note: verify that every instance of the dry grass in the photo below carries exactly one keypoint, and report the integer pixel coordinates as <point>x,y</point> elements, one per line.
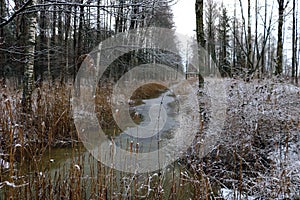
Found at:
<point>147,91</point>
<point>41,157</point>
<point>30,143</point>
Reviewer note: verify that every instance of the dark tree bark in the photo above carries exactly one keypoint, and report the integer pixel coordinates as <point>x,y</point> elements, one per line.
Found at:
<point>134,16</point>
<point>2,15</point>
<point>79,47</point>
<point>53,54</point>
<point>66,43</point>
<point>279,65</point>
<point>2,41</point>
<point>42,46</point>
<point>256,49</point>
<point>234,60</point>
<point>199,23</point>
<point>294,44</point>
<point>223,30</point>
<point>200,35</point>
<point>211,17</point>
<point>263,68</point>
<point>98,21</point>
<point>74,42</point>
<point>60,42</point>
<point>120,17</point>
<point>249,42</point>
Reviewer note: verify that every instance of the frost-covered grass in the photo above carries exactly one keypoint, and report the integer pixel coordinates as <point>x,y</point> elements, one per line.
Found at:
<point>258,152</point>
<point>255,156</point>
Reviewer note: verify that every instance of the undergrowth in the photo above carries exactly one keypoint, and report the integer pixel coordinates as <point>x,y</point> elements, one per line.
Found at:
<point>256,157</point>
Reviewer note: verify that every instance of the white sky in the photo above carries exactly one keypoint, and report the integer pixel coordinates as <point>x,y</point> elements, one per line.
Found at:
<point>185,18</point>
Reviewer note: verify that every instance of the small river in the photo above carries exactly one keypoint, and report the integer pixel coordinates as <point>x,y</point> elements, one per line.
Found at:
<point>158,122</point>
<point>166,107</point>
<point>149,124</point>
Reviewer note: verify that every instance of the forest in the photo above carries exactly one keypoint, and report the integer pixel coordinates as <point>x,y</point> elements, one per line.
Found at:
<point>105,99</point>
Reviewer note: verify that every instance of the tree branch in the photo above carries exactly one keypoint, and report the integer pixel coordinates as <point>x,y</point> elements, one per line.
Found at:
<point>15,14</point>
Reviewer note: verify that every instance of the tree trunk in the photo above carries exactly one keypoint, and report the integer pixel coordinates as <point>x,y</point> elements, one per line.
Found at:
<point>2,15</point>
<point>234,39</point>
<point>249,48</point>
<point>263,50</point>
<point>29,66</point>
<point>120,17</point>
<point>279,64</point>
<point>99,21</point>
<point>60,42</point>
<point>2,57</point>
<point>66,43</point>
<point>74,42</point>
<point>200,36</point>
<point>256,50</point>
<point>49,58</point>
<point>294,44</point>
<point>211,17</point>
<point>42,42</point>
<point>199,23</point>
<point>79,48</point>
<point>53,55</point>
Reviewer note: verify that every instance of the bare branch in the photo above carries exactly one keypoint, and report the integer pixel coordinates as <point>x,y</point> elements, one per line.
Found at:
<point>24,7</point>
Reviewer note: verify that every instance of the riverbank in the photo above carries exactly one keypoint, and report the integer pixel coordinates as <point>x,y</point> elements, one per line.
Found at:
<point>256,154</point>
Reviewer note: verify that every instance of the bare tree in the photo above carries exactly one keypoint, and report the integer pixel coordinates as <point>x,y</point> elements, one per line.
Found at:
<point>67,18</point>
<point>294,45</point>
<point>199,22</point>
<point>279,60</point>
<point>200,33</point>
<point>223,36</point>
<point>263,57</point>
<point>253,63</point>
<point>66,30</point>
<point>2,41</point>
<point>249,40</point>
<point>234,49</point>
<point>211,15</point>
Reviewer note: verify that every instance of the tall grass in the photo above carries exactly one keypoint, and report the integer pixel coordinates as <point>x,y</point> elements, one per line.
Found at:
<point>41,156</point>
<point>31,143</point>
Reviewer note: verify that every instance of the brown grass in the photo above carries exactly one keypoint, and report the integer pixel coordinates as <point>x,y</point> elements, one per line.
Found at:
<point>46,160</point>
<point>151,90</point>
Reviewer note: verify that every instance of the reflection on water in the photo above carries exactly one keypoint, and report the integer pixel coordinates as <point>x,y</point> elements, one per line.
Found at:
<point>157,125</point>
<point>121,184</point>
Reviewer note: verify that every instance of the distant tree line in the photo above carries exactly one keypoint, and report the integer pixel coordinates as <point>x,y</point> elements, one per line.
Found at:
<point>65,30</point>
<point>245,43</point>
<point>44,39</point>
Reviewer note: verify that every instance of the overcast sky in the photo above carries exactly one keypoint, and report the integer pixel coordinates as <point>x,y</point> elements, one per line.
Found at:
<point>184,14</point>
<point>185,20</point>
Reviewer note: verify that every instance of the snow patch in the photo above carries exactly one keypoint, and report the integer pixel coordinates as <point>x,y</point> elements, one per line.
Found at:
<point>229,194</point>
<point>4,164</point>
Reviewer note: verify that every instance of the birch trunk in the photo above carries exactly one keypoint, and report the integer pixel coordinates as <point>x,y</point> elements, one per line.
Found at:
<point>29,66</point>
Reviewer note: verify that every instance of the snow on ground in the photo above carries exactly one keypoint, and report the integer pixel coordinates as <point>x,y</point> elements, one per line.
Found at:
<point>233,195</point>
<point>261,129</point>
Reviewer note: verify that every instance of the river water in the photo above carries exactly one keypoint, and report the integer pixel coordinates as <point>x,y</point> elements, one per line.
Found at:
<point>159,120</point>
